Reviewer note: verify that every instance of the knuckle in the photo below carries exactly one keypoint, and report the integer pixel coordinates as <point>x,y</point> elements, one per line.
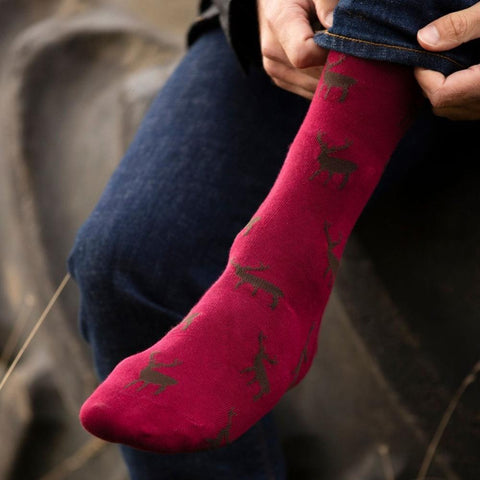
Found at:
<point>299,59</point>
<point>268,51</point>
<point>278,82</point>
<point>281,84</point>
<point>269,66</point>
<point>457,25</point>
<point>266,65</point>
<point>441,102</point>
<point>268,46</point>
<point>436,101</point>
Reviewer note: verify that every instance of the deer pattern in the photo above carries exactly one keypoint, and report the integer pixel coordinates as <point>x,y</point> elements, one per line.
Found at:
<point>150,376</point>
<point>248,227</point>
<point>336,80</point>
<point>243,273</point>
<point>258,367</point>
<point>303,358</point>
<point>223,436</point>
<point>333,260</point>
<point>333,165</point>
<point>187,321</point>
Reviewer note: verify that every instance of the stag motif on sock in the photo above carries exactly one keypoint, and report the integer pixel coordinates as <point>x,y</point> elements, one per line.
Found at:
<point>150,376</point>
<point>333,165</point>
<point>256,282</point>
<point>250,225</point>
<point>336,80</point>
<point>333,261</point>
<point>258,367</point>
<point>187,321</point>
<point>223,436</point>
<point>303,357</point>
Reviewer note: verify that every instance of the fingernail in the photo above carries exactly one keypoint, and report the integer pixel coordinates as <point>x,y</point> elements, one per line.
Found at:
<point>329,19</point>
<point>429,35</point>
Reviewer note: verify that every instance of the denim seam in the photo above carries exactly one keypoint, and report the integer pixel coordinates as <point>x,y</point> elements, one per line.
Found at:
<point>395,47</point>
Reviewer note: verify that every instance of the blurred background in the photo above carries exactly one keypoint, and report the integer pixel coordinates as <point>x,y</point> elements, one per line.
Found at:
<point>76,77</point>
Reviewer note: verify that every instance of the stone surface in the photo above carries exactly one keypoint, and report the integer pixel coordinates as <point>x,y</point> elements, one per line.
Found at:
<point>65,66</point>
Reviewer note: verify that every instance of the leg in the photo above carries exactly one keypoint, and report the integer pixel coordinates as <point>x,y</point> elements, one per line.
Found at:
<point>288,212</point>
<point>289,240</point>
<point>158,236</point>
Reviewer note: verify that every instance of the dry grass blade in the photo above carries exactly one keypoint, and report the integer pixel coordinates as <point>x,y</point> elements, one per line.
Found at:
<point>18,327</point>
<point>384,453</point>
<point>432,447</point>
<point>75,461</point>
<point>32,334</point>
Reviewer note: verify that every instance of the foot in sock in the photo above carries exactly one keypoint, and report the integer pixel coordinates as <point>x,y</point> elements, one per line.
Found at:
<point>253,334</point>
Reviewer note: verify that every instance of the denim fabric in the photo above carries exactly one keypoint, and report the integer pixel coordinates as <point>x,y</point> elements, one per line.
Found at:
<point>202,161</point>
<point>387,30</point>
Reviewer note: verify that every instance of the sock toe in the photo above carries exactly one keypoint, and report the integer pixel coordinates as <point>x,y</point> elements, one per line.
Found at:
<point>96,418</point>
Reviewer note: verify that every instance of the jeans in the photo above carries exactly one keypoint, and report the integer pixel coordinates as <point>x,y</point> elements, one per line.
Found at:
<point>387,30</point>
<point>204,158</point>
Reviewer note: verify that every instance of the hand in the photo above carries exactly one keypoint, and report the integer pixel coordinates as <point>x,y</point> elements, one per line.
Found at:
<point>290,56</point>
<point>456,96</point>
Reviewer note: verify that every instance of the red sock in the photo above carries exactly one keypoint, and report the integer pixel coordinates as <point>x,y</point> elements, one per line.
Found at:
<point>253,334</point>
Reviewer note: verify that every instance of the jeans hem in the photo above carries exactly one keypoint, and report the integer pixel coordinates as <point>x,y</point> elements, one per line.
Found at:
<point>390,53</point>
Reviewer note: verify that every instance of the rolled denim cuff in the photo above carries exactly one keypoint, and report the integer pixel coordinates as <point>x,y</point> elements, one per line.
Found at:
<point>387,30</point>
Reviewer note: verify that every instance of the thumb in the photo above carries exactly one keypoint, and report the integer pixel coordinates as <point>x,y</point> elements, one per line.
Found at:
<point>451,30</point>
<point>324,9</point>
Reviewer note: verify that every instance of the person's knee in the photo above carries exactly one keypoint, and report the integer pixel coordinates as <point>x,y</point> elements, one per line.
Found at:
<point>91,260</point>
<point>160,262</point>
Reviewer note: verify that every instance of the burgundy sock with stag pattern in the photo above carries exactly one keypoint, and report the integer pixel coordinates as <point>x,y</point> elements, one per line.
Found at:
<point>253,335</point>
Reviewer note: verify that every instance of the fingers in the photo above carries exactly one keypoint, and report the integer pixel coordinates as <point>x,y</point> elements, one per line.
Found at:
<point>308,79</point>
<point>324,9</point>
<point>290,56</point>
<point>295,88</point>
<point>275,62</point>
<point>451,30</point>
<point>456,97</point>
<point>297,81</point>
<point>294,32</point>
<point>430,81</point>
<point>288,22</point>
<point>300,81</point>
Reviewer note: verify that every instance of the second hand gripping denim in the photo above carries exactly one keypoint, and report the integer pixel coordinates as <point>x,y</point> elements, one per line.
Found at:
<point>387,30</point>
